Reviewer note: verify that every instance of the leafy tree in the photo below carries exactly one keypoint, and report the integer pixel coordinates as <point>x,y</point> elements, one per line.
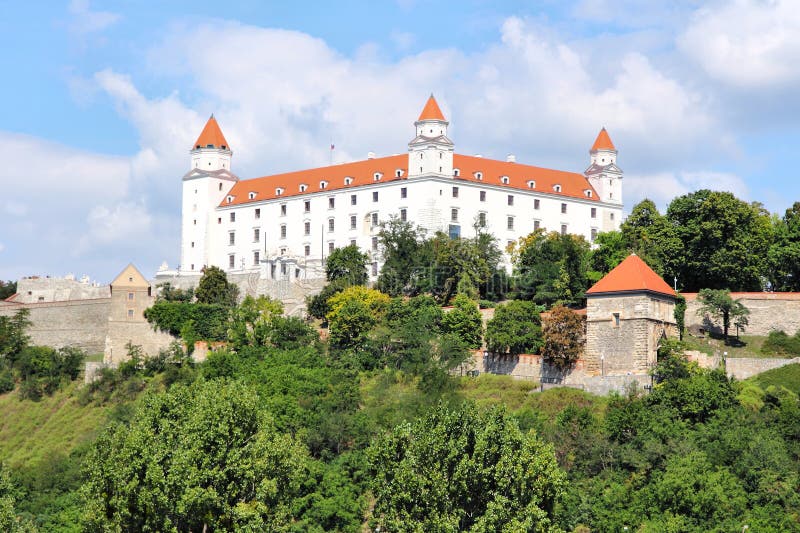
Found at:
<point>168,293</point>
<point>464,321</point>
<point>550,267</point>
<point>680,314</point>
<point>724,242</point>
<point>611,250</point>
<point>784,253</point>
<point>353,313</point>
<point>7,288</point>
<point>463,470</point>
<point>208,321</point>
<point>563,333</point>
<point>193,459</point>
<point>405,259</point>
<point>10,521</point>
<point>13,338</point>
<point>719,304</point>
<point>515,328</point>
<point>317,305</point>
<point>347,263</point>
<point>251,321</point>
<point>214,288</point>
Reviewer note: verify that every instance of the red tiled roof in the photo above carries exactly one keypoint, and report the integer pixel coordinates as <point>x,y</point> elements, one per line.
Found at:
<point>431,110</point>
<point>632,275</point>
<point>211,136</point>
<point>471,169</point>
<point>603,142</point>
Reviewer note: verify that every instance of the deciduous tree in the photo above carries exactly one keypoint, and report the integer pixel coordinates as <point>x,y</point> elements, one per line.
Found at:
<point>563,333</point>
<point>719,304</point>
<point>214,288</point>
<point>515,328</point>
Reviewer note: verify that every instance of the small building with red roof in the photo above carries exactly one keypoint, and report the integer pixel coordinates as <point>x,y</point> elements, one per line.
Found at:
<point>628,312</point>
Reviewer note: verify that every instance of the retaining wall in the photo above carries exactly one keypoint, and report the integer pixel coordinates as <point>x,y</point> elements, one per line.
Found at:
<point>768,311</point>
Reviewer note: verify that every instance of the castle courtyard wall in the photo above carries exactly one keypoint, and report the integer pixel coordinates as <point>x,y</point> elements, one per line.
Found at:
<point>768,311</point>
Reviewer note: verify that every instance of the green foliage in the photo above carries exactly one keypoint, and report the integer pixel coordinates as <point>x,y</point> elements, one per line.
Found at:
<point>784,253</point>
<point>778,342</point>
<point>198,321</point>
<point>168,293</point>
<point>7,288</point>
<point>719,304</point>
<point>680,314</point>
<point>317,305</point>
<point>563,335</point>
<point>251,321</point>
<point>348,264</point>
<point>787,377</point>
<point>215,289</point>
<point>41,369</point>
<point>551,268</point>
<point>353,313</point>
<point>464,321</point>
<point>464,470</point>
<point>200,457</point>
<point>405,259</point>
<point>515,328</point>
<point>12,335</point>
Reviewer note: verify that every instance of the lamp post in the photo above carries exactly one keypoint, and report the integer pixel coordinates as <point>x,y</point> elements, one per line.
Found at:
<point>602,365</point>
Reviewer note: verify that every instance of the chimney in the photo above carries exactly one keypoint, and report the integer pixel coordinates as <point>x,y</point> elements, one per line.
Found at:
<point>511,158</point>
<point>370,155</point>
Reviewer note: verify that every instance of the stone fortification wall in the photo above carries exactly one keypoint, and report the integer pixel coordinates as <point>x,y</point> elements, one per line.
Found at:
<point>768,311</point>
<point>34,290</point>
<point>138,333</point>
<point>79,323</point>
<point>743,368</point>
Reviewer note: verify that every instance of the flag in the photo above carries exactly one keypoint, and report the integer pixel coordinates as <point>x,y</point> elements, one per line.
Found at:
<point>332,146</point>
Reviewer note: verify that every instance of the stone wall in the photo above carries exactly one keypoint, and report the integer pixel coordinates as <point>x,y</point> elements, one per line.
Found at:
<point>768,311</point>
<point>36,289</point>
<point>79,323</point>
<point>743,368</point>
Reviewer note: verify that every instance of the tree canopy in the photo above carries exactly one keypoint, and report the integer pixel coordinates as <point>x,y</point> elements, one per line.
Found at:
<point>215,289</point>
<point>515,328</point>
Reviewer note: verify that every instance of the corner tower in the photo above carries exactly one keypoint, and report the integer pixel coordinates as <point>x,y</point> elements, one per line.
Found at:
<point>430,151</point>
<point>204,187</point>
<point>603,172</point>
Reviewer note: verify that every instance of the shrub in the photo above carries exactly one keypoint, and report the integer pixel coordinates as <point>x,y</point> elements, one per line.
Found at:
<point>781,343</point>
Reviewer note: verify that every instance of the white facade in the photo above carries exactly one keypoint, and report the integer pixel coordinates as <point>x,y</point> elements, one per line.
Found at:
<point>284,226</point>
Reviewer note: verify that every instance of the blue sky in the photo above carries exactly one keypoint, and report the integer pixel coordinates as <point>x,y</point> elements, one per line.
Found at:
<point>103,100</point>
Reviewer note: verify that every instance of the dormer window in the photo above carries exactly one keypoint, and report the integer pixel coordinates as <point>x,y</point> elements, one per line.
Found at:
<point>504,180</point>
<point>588,193</point>
<point>229,199</point>
<point>377,176</point>
<point>303,187</point>
<point>251,195</point>
<point>557,188</point>
<point>531,184</point>
<point>323,184</point>
<point>348,180</point>
<point>278,191</point>
<point>456,172</point>
<point>479,176</point>
<point>398,173</point>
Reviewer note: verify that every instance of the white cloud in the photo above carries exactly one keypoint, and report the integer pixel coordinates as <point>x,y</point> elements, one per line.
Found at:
<point>85,21</point>
<point>662,187</point>
<point>746,43</point>
<point>123,222</point>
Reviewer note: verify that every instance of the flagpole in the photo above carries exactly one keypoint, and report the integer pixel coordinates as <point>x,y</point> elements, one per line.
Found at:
<point>331,164</point>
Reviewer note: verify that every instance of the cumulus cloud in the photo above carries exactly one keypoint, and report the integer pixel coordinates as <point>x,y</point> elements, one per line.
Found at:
<point>124,221</point>
<point>85,20</point>
<point>746,43</point>
<point>662,187</point>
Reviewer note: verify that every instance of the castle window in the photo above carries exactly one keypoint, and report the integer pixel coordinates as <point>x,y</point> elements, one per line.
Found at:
<point>348,180</point>
<point>331,247</point>
<point>130,313</point>
<point>192,244</point>
<point>594,234</point>
<point>510,222</point>
<point>278,191</point>
<point>220,186</point>
<point>194,222</point>
<point>374,218</point>
<point>456,172</point>
<point>455,192</point>
<point>588,193</point>
<point>536,203</point>
<point>130,296</point>
<point>323,184</point>
<point>331,224</point>
<point>374,268</point>
<point>536,224</point>
<point>563,208</point>
<point>557,188</point>
<point>377,176</point>
<point>352,242</point>
<point>255,258</point>
<point>504,180</point>
<point>231,238</point>
<point>612,216</point>
<point>219,220</point>
<point>283,232</point>
<point>616,319</point>
<point>353,200</point>
<point>482,219</point>
<point>307,206</point>
<point>233,216</point>
<point>611,196</point>
<point>374,244</point>
<point>563,229</point>
<point>482,195</point>
<point>331,203</point>
<point>258,214</point>
<point>398,173</point>
<point>594,212</point>
<point>403,214</point>
<point>307,250</point>
<point>374,196</point>
<point>256,234</point>
<point>229,199</point>
<point>353,222</point>
<point>283,209</point>
<point>231,261</point>
<point>454,215</point>
<point>510,199</point>
<point>307,228</point>
<point>531,184</point>
<point>251,195</point>
<point>479,176</point>
<point>403,192</point>
<point>303,187</point>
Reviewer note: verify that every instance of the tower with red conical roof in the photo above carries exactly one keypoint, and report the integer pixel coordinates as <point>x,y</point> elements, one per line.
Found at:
<point>605,176</point>
<point>430,152</point>
<point>205,186</point>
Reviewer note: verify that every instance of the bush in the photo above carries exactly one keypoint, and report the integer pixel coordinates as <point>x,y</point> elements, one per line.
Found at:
<point>6,381</point>
<point>781,343</point>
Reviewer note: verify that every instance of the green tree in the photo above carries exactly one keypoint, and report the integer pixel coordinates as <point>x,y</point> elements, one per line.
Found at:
<point>464,470</point>
<point>515,328</point>
<point>214,288</point>
<point>784,254</point>
<point>719,304</point>
<point>13,338</point>
<point>168,293</point>
<point>724,242</point>
<point>353,313</point>
<point>194,459</point>
<point>7,288</point>
<point>611,250</point>
<point>347,263</point>
<point>563,334</point>
<point>251,321</point>
<point>464,321</point>
<point>680,314</point>
<point>406,260</point>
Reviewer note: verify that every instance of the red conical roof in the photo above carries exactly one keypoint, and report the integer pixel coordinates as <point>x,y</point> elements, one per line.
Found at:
<point>431,110</point>
<point>632,275</point>
<point>603,142</point>
<point>211,136</point>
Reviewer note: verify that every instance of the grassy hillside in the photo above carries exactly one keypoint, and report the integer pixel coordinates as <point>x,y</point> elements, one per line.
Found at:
<point>30,431</point>
<point>787,376</point>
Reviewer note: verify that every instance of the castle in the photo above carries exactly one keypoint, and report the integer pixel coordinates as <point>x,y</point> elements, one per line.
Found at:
<point>283,226</point>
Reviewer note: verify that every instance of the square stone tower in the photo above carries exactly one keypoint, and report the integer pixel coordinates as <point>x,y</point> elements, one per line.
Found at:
<point>628,312</point>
